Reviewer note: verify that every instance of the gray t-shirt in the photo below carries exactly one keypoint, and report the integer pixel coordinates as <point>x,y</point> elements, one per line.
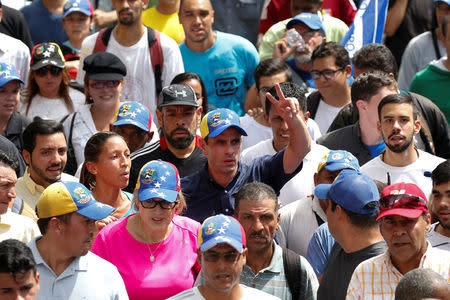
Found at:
<point>340,267</point>
<point>438,240</point>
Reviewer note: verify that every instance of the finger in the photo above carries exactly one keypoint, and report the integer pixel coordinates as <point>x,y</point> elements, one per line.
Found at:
<point>280,92</point>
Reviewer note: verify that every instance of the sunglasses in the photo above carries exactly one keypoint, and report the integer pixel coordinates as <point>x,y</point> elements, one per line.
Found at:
<point>163,204</point>
<point>212,256</point>
<point>105,83</point>
<point>328,74</point>
<point>55,71</point>
<point>401,201</point>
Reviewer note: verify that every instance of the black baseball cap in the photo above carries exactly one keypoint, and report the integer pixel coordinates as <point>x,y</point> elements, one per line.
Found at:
<point>177,94</point>
<point>46,54</point>
<point>104,66</point>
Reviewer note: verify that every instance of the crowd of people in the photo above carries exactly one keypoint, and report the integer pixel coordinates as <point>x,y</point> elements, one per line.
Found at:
<point>223,149</point>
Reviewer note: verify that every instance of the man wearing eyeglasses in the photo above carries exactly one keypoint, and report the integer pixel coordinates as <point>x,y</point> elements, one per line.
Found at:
<point>404,221</point>
<point>222,253</point>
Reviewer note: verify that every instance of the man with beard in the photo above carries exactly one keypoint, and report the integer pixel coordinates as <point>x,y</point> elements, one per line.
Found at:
<point>45,152</point>
<point>129,40</point>
<point>401,161</point>
<point>178,116</point>
<point>439,234</point>
<point>312,31</point>
<point>67,213</point>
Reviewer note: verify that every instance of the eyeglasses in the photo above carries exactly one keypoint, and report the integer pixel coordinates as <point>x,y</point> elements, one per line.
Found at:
<point>307,35</point>
<point>163,204</point>
<point>104,83</point>
<point>55,71</point>
<point>401,201</point>
<point>213,256</point>
<point>328,74</point>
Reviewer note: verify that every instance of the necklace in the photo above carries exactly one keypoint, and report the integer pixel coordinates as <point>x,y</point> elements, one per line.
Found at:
<point>152,257</point>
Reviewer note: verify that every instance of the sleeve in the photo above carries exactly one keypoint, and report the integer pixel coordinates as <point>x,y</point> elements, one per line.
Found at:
<point>172,60</point>
<point>116,283</point>
<point>282,231</point>
<point>266,47</point>
<point>251,60</point>
<point>354,291</point>
<point>309,285</point>
<point>319,249</point>
<point>86,49</point>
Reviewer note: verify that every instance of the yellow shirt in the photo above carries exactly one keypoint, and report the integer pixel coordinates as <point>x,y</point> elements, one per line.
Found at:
<point>167,24</point>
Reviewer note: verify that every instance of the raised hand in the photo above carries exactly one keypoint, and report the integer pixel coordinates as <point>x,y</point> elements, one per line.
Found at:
<point>288,108</point>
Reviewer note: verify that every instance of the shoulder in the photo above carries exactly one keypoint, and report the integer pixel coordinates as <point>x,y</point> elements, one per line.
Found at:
<point>252,293</point>
<point>336,136</point>
<point>186,295</point>
<point>296,208</point>
<point>145,152</point>
<point>68,177</point>
<point>186,224</point>
<point>112,229</point>
<point>426,157</point>
<point>234,41</point>
<point>100,264</point>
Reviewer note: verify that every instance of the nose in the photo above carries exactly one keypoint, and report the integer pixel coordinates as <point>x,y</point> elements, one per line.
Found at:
<point>397,126</point>
<point>257,225</point>
<point>284,125</point>
<point>12,193</point>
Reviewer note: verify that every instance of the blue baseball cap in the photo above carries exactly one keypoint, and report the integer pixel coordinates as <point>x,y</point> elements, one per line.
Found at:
<point>445,1</point>
<point>63,197</point>
<point>338,160</point>
<point>9,73</point>
<point>313,21</point>
<point>352,190</point>
<point>158,179</point>
<point>217,121</point>
<point>133,113</point>
<point>82,6</point>
<point>221,229</point>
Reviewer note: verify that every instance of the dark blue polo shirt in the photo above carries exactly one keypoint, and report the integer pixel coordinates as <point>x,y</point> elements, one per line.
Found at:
<point>205,197</point>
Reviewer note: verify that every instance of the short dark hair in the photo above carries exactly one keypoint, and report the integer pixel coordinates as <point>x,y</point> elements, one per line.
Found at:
<point>368,84</point>
<point>340,54</point>
<point>16,257</point>
<point>375,57</point>
<point>7,161</point>
<point>270,67</point>
<point>289,89</point>
<point>360,220</point>
<point>255,191</point>
<point>397,99</point>
<point>441,174</point>
<point>444,25</point>
<point>43,222</point>
<point>418,284</point>
<point>39,126</point>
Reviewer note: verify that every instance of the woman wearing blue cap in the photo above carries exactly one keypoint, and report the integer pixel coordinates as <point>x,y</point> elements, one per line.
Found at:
<point>154,250</point>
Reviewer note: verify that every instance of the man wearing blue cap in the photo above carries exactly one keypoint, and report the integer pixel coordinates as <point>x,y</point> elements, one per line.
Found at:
<point>210,190</point>
<point>351,213</point>
<point>67,213</point>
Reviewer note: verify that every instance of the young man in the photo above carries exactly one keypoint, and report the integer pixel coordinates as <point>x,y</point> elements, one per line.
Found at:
<point>270,268</point>
<point>18,276</point>
<point>221,237</point>
<point>401,161</point>
<point>404,221</point>
<point>67,213</point>
<point>439,234</point>
<point>210,190</point>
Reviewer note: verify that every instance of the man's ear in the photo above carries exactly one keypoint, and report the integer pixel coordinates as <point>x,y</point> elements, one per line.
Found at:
<point>417,126</point>
<point>203,146</point>
<point>348,70</point>
<point>361,105</point>
<point>306,116</point>
<point>379,127</point>
<point>159,116</point>
<point>26,156</point>
<point>199,256</point>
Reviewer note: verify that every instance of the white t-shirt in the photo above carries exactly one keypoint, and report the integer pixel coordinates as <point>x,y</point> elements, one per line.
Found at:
<point>54,109</point>
<point>140,80</point>
<point>302,184</point>
<point>325,115</point>
<point>413,173</point>
<point>248,293</point>
<point>18,227</point>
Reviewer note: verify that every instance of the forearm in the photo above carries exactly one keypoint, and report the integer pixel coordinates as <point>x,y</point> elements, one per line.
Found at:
<point>299,144</point>
<point>395,17</point>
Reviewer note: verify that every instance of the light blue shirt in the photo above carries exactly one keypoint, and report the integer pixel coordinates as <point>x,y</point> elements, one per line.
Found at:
<point>319,248</point>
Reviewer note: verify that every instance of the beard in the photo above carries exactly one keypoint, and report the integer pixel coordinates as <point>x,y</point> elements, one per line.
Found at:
<point>301,58</point>
<point>180,143</point>
<point>128,20</point>
<point>402,147</point>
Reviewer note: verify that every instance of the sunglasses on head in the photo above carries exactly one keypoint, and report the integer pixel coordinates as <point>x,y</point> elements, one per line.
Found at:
<point>401,201</point>
<point>104,83</point>
<point>213,256</point>
<point>55,71</point>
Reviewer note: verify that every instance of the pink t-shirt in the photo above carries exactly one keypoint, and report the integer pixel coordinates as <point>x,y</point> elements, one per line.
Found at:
<point>175,265</point>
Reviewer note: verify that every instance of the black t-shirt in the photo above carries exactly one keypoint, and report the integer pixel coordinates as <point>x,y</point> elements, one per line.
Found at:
<point>13,24</point>
<point>340,267</point>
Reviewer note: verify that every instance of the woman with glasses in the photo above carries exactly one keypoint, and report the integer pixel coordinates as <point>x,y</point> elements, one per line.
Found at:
<point>103,83</point>
<point>48,94</point>
<point>155,250</point>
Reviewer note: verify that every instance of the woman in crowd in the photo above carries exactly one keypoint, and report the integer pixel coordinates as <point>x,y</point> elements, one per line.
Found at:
<point>106,171</point>
<point>154,249</point>
<point>196,83</point>
<point>48,94</point>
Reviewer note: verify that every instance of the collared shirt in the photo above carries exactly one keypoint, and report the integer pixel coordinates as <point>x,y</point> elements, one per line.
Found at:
<point>30,192</point>
<point>87,277</point>
<point>205,197</point>
<point>18,227</point>
<point>377,277</point>
<point>438,240</point>
<point>272,279</point>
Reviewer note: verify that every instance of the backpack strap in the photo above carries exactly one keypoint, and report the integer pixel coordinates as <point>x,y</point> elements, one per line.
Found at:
<point>156,54</point>
<point>292,271</point>
<point>102,39</point>
<point>435,44</point>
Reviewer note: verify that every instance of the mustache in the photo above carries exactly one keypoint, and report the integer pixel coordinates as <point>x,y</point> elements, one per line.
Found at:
<point>178,129</point>
<point>55,165</point>
<point>258,235</point>
<point>396,133</point>
<point>126,10</point>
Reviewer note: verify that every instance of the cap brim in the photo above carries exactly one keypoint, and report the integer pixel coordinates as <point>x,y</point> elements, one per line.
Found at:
<point>339,166</point>
<point>49,62</point>
<point>321,191</point>
<point>165,194</point>
<point>222,240</point>
<point>72,10</point>
<point>403,212</point>
<point>105,76</point>
<point>221,129</point>
<point>96,211</point>
<point>179,103</point>
<point>131,122</point>
<point>4,81</point>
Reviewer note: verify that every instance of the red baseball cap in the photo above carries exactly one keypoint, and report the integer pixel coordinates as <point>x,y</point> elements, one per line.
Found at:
<point>403,199</point>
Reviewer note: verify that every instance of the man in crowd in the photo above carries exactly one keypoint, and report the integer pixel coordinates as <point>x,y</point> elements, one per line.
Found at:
<point>18,276</point>
<point>45,152</point>
<point>269,268</point>
<point>210,190</point>
<point>300,219</point>
<point>420,284</point>
<point>352,211</point>
<point>439,234</point>
<point>401,161</point>
<point>221,237</point>
<point>225,62</point>
<point>404,221</point>
<point>67,213</point>
<point>178,116</point>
